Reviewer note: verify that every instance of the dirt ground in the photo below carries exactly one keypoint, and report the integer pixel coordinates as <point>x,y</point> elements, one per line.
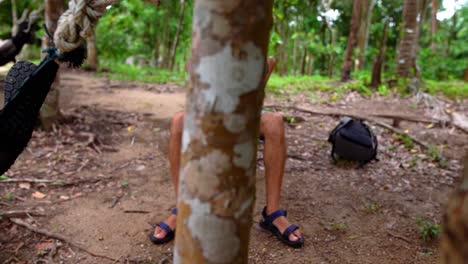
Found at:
<point>108,180</point>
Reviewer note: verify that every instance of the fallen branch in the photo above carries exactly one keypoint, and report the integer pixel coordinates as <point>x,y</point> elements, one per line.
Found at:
<point>369,119</point>
<point>59,237</point>
<point>136,212</point>
<point>399,237</point>
<point>395,117</point>
<point>20,213</point>
<point>31,180</point>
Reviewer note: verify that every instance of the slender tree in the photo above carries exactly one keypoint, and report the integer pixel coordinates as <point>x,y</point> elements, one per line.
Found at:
<point>376,79</point>
<point>363,32</point>
<point>175,43</point>
<point>406,51</point>
<point>434,25</point>
<point>217,184</point>
<point>351,43</point>
<point>92,58</point>
<point>50,111</point>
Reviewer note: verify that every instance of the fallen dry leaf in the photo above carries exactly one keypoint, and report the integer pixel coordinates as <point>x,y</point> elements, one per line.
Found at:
<point>39,195</point>
<point>25,185</point>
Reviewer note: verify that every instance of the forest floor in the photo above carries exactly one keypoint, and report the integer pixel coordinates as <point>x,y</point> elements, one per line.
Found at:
<point>105,179</point>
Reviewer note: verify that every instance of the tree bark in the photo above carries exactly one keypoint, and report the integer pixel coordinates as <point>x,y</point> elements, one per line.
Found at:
<point>454,242</point>
<point>93,61</point>
<point>363,32</point>
<point>175,43</point>
<point>354,26</point>
<point>14,18</point>
<point>50,111</point>
<point>406,50</point>
<point>217,182</point>
<point>377,67</point>
<point>434,25</point>
<point>465,77</point>
<point>304,61</point>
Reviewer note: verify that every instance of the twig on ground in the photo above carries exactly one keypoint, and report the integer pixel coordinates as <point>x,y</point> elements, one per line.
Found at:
<point>369,119</point>
<point>57,236</point>
<point>136,212</point>
<point>20,213</point>
<point>399,237</point>
<point>32,180</point>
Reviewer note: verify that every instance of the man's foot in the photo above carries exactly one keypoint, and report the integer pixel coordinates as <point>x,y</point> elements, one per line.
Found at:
<point>282,223</point>
<point>164,231</point>
<point>277,223</point>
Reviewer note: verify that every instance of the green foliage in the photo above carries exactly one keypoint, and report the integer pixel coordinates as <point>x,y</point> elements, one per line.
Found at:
<point>372,207</point>
<point>382,90</point>
<point>142,74</point>
<point>9,196</point>
<point>428,229</point>
<point>125,184</point>
<point>452,89</point>
<point>4,177</point>
<point>406,140</point>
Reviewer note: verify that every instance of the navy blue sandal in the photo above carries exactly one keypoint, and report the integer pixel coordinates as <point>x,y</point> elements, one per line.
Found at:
<point>267,224</point>
<point>170,234</point>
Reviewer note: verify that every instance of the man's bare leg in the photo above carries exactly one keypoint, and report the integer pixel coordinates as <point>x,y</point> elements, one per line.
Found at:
<point>175,143</point>
<point>274,156</point>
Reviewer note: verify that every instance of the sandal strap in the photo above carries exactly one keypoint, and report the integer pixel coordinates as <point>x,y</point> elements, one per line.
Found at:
<point>165,227</point>
<point>270,218</point>
<point>289,231</point>
<point>174,211</point>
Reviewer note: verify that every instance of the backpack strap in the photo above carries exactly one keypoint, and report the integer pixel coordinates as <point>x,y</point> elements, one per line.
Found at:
<point>375,143</point>
<point>343,122</point>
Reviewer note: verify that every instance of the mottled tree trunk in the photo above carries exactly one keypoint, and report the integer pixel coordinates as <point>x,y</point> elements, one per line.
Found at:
<point>217,182</point>
<point>454,240</point>
<point>50,112</point>
<point>92,56</point>
<point>406,51</point>
<point>363,32</point>
<point>175,43</point>
<point>377,67</point>
<point>434,25</point>
<point>354,26</point>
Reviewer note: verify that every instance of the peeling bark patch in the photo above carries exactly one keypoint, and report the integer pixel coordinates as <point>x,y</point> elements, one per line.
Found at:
<point>229,75</point>
<point>191,131</point>
<point>205,170</point>
<point>214,234</point>
<point>244,206</point>
<point>235,123</point>
<point>244,155</point>
<point>224,6</point>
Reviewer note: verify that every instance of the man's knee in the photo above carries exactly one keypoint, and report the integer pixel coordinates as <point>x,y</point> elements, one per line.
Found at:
<point>271,124</point>
<point>177,123</point>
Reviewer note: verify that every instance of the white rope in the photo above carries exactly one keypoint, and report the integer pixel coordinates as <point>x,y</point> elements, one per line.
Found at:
<point>78,22</point>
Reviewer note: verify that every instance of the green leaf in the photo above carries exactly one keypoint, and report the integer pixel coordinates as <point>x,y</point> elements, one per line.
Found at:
<point>4,177</point>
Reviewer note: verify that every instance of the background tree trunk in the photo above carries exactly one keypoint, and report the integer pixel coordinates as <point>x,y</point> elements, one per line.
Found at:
<point>434,25</point>
<point>363,32</point>
<point>408,41</point>
<point>454,241</point>
<point>377,67</point>
<point>354,26</point>
<point>92,59</point>
<point>217,182</point>
<point>14,18</point>
<point>175,43</point>
<point>50,112</point>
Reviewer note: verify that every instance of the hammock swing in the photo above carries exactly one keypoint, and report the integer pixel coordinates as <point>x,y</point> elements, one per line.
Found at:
<point>26,85</point>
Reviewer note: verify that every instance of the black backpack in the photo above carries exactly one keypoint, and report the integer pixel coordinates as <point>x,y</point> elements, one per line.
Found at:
<point>353,140</point>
